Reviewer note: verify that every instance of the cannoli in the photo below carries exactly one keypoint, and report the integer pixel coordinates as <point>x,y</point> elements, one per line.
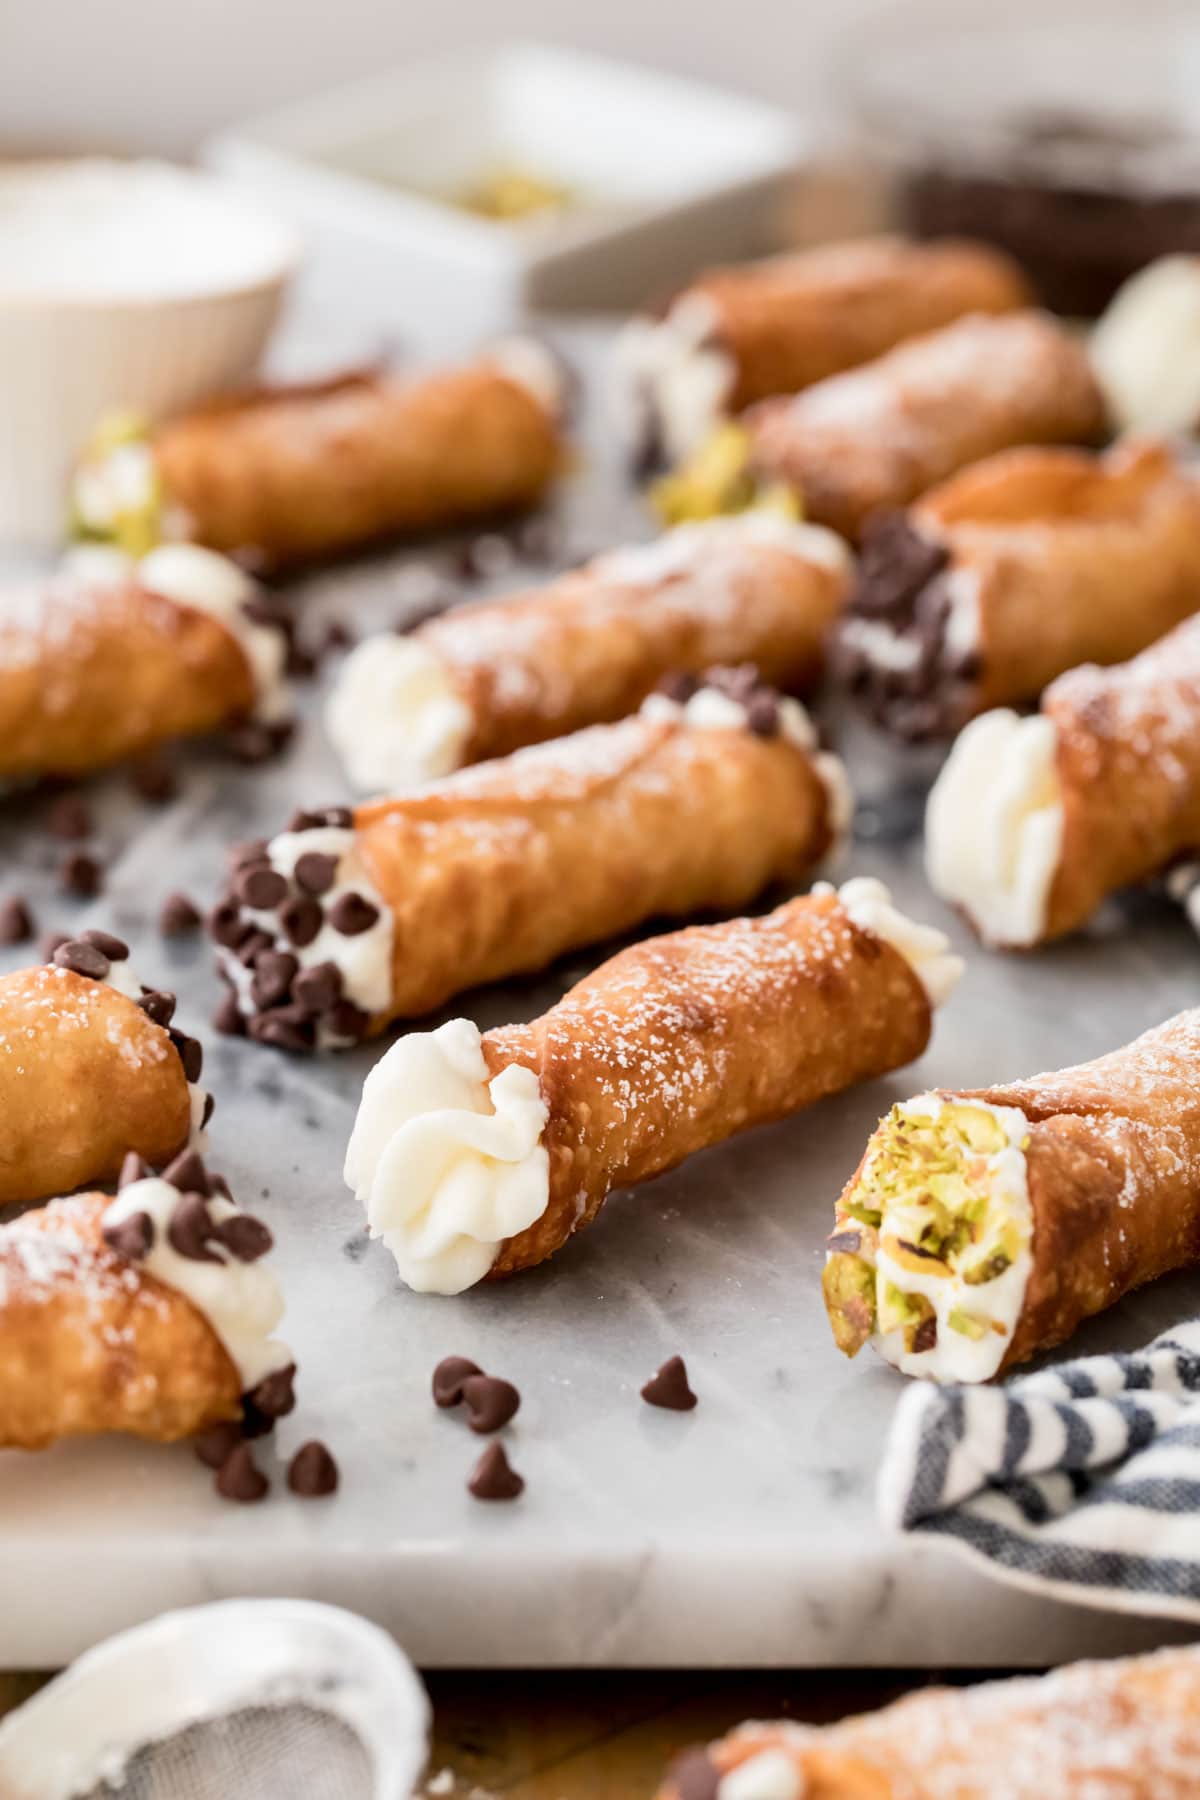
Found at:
<point>90,1067</point>
<point>150,1314</point>
<point>295,474</point>
<point>881,435</point>
<point>1127,1729</point>
<point>487,678</point>
<point>348,921</point>
<point>984,1226</point>
<point>1018,569</point>
<point>112,658</point>
<point>739,335</point>
<point>479,1155</point>
<point>1034,821</point>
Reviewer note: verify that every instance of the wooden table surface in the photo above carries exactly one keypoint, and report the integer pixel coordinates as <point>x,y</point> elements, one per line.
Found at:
<point>598,1735</point>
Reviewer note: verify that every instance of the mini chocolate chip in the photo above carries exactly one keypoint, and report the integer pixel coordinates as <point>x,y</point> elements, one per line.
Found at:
<point>190,1229</point>
<point>254,743</point>
<point>252,945</point>
<point>132,1169</point>
<point>108,945</point>
<point>210,1107</point>
<point>69,819</point>
<point>669,1388</point>
<point>227,1019</point>
<point>188,1173</point>
<point>762,713</point>
<point>301,661</point>
<point>301,820</point>
<point>493,1477</point>
<point>158,1005</point>
<point>225,924</point>
<point>275,1396</point>
<point>274,972</point>
<point>282,1029</point>
<point>154,780</point>
<point>692,1776</point>
<point>491,1403</point>
<point>301,920</point>
<point>240,1478</point>
<point>250,850</point>
<point>319,988</point>
<point>216,1443</point>
<point>131,1237</point>
<point>448,1379</point>
<point>191,1054</point>
<point>260,887</point>
<point>178,916</point>
<point>82,959</point>
<point>246,1238</point>
<point>81,874</point>
<point>541,540</point>
<point>348,1021</point>
<point>678,686</point>
<point>312,1472</point>
<point>339,818</point>
<point>316,873</point>
<point>352,914</point>
<point>54,940</point>
<point>16,922</point>
<point>338,636</point>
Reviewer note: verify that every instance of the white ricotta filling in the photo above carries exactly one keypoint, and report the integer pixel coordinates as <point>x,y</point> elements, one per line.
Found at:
<point>1146,349</point>
<point>671,368</point>
<point>925,949</point>
<point>395,716</point>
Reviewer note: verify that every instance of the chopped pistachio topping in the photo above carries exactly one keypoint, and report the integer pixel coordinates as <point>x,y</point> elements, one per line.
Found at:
<point>717,480</point>
<point>848,1284</point>
<point>117,495</point>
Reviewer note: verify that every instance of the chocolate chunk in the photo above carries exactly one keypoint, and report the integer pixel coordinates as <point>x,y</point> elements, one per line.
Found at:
<point>348,1021</point>
<point>251,946</point>
<point>490,1402</point>
<point>352,914</point>
<point>275,1396</point>
<point>178,916</point>
<point>301,920</point>
<point>54,940</point>
<point>493,1477</point>
<point>131,1238</point>
<point>678,686</point>
<point>154,780</point>
<point>762,713</point>
<point>316,873</point>
<point>188,1174</point>
<point>448,1379</point>
<point>693,1776</point>
<point>318,989</point>
<point>312,1472</point>
<point>16,922</point>
<point>190,1229</point>
<point>82,959</point>
<point>216,1444</point>
<point>191,1054</point>
<point>669,1388</point>
<point>227,1019</point>
<point>132,1169</point>
<point>158,1005</point>
<point>274,972</point>
<point>283,1029</point>
<point>108,945</point>
<point>240,1478</point>
<point>81,875</point>
<point>69,819</point>
<point>260,887</point>
<point>246,1238</point>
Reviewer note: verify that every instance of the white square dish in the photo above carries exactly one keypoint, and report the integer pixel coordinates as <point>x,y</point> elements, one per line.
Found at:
<point>662,175</point>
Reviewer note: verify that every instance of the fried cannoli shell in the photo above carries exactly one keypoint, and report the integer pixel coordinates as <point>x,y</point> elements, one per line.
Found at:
<point>681,1041</point>
<point>301,473</point>
<point>85,1076</point>
<point>90,1342</point>
<point>881,435</point>
<point>93,674</point>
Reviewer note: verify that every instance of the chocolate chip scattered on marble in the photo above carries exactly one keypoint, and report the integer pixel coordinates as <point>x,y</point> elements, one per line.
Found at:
<point>448,1379</point>
<point>240,1478</point>
<point>81,875</point>
<point>69,819</point>
<point>490,1402</point>
<point>670,1388</point>
<point>154,780</point>
<point>694,1777</point>
<point>312,1472</point>
<point>216,1444</point>
<point>494,1478</point>
<point>132,1238</point>
<point>178,916</point>
<point>273,1398</point>
<point>82,958</point>
<point>16,921</point>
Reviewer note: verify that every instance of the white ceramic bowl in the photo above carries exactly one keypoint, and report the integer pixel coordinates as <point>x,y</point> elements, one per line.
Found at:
<point>134,286</point>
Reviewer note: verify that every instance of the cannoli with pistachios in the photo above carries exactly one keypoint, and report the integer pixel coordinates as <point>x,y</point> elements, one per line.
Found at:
<point>490,677</point>
<point>293,474</point>
<point>151,1313</point>
<point>91,1066</point>
<point>477,1155</point>
<point>1126,1729</point>
<point>347,921</point>
<point>112,658</point>
<point>877,437</point>
<point>1035,821</point>
<point>1019,569</point>
<point>984,1226</point>
<point>742,334</point>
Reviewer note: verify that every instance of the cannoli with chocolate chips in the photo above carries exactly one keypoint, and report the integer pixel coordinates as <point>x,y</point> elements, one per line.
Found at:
<point>487,678</point>
<point>477,1155</point>
<point>90,1067</point>
<point>741,334</point>
<point>347,921</point>
<point>984,1226</point>
<point>1034,821</point>
<point>112,658</point>
<point>1015,571</point>
<point>293,474</point>
<point>150,1314</point>
<point>1126,1729</point>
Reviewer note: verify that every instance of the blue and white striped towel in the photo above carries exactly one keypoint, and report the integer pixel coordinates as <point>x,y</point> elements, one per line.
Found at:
<point>1082,1481</point>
